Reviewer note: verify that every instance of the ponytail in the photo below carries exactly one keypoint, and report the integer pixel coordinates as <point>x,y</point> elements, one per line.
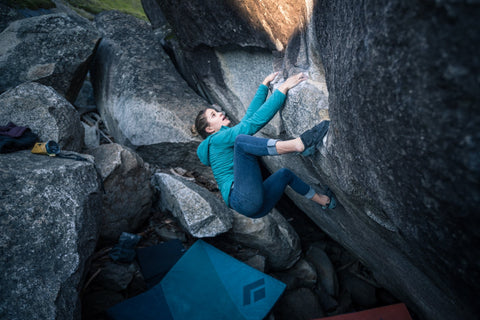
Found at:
<point>201,124</point>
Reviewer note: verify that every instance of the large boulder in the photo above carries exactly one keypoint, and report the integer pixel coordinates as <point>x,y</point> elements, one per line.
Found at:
<point>53,49</point>
<point>48,216</point>
<point>144,102</point>
<point>403,146</point>
<point>45,112</point>
<point>127,196</point>
<point>200,213</point>
<point>399,82</point>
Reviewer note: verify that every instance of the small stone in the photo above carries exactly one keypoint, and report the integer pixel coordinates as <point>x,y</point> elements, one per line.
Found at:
<point>325,270</point>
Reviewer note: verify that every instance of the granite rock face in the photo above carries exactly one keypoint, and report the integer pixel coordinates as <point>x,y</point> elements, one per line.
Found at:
<point>52,49</point>
<point>399,83</point>
<point>403,150</point>
<point>45,112</point>
<point>127,197</point>
<point>144,102</point>
<point>48,217</point>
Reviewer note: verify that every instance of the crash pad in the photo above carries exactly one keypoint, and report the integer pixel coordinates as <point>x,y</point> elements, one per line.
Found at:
<point>205,283</point>
<point>156,261</point>
<point>393,312</point>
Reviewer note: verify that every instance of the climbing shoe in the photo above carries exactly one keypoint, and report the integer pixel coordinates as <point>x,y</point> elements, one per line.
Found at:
<point>312,139</point>
<point>333,203</point>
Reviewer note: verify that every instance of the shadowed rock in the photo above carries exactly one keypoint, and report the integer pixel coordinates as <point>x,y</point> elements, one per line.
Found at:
<point>325,270</point>
<point>128,195</point>
<point>212,23</point>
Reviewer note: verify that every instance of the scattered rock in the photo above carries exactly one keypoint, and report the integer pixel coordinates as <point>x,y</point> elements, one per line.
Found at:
<point>128,194</point>
<point>43,110</point>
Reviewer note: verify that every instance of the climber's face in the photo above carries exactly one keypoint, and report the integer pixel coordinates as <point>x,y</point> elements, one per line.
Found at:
<point>216,120</point>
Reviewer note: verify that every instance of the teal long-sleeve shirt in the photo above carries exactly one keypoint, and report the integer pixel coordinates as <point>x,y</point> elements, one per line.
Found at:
<point>217,149</point>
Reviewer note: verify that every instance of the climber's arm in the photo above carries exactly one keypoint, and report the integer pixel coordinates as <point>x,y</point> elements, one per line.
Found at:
<point>292,82</point>
<point>260,96</point>
<point>266,112</point>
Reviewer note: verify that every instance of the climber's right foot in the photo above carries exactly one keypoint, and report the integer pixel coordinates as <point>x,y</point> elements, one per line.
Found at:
<point>312,139</point>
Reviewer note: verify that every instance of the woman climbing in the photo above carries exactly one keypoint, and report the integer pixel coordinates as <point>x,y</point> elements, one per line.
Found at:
<point>233,153</point>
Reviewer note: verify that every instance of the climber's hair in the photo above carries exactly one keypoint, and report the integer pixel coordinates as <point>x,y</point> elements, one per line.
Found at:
<point>201,123</point>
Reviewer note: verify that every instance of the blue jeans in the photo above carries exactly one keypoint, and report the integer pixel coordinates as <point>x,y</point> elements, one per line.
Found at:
<point>250,195</point>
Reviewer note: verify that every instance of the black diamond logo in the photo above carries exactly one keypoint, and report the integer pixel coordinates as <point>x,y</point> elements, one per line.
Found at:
<point>255,290</point>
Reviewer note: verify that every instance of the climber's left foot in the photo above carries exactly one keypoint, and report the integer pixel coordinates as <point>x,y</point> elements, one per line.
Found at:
<point>332,204</point>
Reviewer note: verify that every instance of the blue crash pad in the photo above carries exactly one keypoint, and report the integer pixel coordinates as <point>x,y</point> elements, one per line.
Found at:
<point>205,284</point>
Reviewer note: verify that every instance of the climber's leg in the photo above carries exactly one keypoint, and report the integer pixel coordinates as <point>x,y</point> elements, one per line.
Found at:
<point>250,195</point>
<point>289,146</point>
<point>274,186</point>
<point>246,197</point>
<point>307,142</point>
